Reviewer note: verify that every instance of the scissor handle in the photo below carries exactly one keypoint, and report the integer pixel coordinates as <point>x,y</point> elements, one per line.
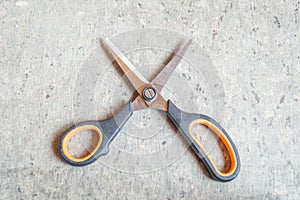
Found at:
<point>106,131</point>
<point>185,121</point>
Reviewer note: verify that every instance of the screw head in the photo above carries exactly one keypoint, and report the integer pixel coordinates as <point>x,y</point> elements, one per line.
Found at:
<point>149,93</point>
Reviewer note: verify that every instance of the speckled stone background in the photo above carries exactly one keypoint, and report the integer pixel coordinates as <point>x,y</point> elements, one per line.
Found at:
<point>254,47</point>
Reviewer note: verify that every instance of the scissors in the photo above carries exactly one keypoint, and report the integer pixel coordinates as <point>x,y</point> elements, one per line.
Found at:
<point>149,97</point>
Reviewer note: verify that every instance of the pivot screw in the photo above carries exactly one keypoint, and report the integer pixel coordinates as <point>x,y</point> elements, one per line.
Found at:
<point>149,94</point>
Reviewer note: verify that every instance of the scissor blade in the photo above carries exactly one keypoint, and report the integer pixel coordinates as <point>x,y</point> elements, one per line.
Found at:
<point>134,76</point>
<point>162,78</point>
<point>138,103</point>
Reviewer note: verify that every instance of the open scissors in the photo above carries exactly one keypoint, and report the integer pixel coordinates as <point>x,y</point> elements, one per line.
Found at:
<point>149,97</point>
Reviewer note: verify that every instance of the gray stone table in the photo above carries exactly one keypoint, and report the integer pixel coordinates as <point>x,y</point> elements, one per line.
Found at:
<point>54,72</point>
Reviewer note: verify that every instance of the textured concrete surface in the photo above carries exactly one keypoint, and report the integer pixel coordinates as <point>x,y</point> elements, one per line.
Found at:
<point>45,47</point>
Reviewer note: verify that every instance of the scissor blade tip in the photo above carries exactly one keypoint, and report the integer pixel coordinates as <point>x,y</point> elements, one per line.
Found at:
<point>104,40</point>
<point>109,43</point>
<point>107,40</point>
<point>101,40</point>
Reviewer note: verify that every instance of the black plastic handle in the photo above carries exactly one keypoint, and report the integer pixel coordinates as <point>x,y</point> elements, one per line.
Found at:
<point>185,121</point>
<point>106,130</point>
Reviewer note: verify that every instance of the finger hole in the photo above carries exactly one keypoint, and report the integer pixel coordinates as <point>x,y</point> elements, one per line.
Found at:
<point>214,144</point>
<point>81,143</point>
